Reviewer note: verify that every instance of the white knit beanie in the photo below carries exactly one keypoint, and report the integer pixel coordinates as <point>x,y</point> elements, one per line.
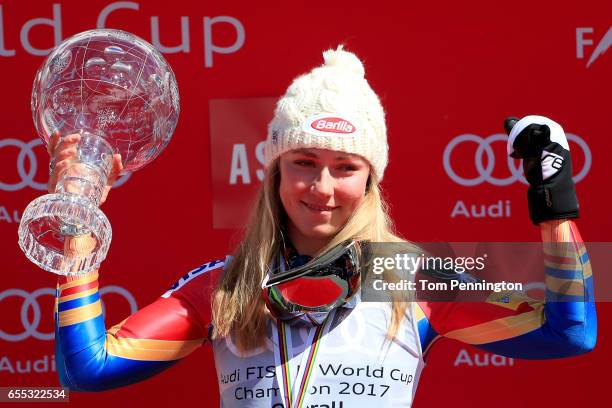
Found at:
<point>331,107</point>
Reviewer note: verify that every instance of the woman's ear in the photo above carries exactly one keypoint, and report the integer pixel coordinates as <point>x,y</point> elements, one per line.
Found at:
<point>368,185</point>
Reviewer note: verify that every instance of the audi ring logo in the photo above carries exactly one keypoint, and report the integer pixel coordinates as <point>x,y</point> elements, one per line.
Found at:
<point>27,166</point>
<point>485,171</point>
<point>30,301</point>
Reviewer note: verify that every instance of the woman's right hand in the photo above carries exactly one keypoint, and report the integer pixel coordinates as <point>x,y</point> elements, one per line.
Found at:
<point>63,152</point>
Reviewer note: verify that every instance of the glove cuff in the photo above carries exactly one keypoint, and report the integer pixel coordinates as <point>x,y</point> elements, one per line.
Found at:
<point>555,202</point>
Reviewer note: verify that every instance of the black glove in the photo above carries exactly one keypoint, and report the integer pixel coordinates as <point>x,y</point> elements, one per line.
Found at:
<point>542,145</point>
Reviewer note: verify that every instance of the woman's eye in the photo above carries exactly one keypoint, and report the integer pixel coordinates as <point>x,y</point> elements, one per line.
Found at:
<point>304,163</point>
<point>348,167</point>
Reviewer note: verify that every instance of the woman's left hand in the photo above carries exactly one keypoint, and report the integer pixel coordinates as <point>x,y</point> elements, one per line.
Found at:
<point>547,164</point>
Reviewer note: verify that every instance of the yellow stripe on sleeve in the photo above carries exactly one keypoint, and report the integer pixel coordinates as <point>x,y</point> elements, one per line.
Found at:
<point>500,329</point>
<point>573,287</point>
<point>150,350</point>
<point>113,330</point>
<point>587,271</point>
<point>80,314</point>
<point>420,315</point>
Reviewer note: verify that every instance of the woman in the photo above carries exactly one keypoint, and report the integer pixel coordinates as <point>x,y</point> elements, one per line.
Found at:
<point>293,343</point>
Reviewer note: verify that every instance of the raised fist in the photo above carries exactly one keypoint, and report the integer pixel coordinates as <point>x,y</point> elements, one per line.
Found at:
<point>542,145</point>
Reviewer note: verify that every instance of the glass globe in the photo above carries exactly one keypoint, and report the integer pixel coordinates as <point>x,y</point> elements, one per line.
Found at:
<point>120,94</point>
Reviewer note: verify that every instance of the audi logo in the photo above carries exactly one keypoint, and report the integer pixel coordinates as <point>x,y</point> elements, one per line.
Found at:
<point>30,301</point>
<point>485,172</point>
<point>27,166</point>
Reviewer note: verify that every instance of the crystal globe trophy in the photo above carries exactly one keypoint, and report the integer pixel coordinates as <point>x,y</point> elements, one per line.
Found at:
<point>119,93</point>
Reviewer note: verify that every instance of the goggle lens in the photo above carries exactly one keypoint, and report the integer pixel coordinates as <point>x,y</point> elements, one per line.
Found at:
<point>311,292</point>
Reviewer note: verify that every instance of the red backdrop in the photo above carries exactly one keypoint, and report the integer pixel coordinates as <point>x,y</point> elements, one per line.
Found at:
<point>443,71</point>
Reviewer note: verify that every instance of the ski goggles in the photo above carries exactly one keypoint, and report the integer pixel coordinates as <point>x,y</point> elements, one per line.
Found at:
<point>318,286</point>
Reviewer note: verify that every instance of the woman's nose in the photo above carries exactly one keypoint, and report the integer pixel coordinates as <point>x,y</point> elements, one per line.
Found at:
<point>323,184</point>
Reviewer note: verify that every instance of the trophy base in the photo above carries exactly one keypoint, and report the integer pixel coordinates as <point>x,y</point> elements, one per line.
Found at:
<point>50,220</point>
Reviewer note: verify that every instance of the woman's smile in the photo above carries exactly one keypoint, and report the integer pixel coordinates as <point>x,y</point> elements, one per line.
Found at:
<point>319,209</point>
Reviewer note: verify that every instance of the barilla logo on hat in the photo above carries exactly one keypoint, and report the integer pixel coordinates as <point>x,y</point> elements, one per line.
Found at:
<point>326,123</point>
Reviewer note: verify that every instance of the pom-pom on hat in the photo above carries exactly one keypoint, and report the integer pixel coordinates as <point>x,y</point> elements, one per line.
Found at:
<point>331,107</point>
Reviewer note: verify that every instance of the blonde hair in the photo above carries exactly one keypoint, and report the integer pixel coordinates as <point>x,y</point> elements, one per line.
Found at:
<point>238,305</point>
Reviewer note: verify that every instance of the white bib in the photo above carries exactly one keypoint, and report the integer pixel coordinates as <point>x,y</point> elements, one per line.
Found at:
<point>355,365</point>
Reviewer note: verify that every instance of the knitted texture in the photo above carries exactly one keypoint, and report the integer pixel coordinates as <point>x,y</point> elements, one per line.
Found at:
<point>331,107</point>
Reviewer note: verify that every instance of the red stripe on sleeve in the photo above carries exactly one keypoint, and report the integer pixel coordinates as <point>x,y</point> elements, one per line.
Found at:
<point>80,288</point>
